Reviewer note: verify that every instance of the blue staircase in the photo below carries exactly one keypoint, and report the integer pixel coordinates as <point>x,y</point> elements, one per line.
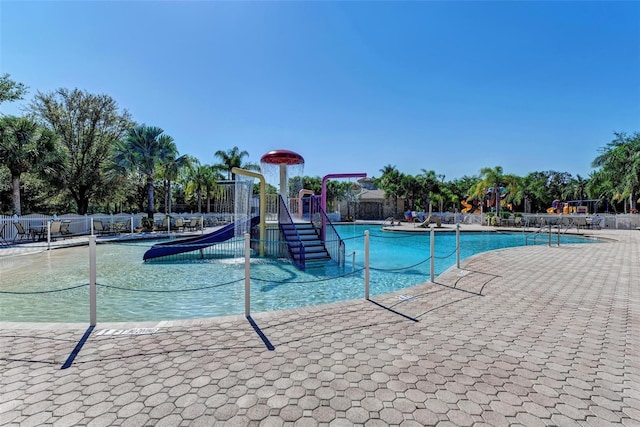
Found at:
<point>305,245</point>
<point>303,239</point>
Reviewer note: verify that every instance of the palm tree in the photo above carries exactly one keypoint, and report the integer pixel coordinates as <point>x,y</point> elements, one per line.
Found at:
<point>621,159</point>
<point>24,145</point>
<point>410,189</point>
<point>171,169</point>
<point>390,183</point>
<point>198,177</point>
<point>233,159</point>
<point>429,185</point>
<point>494,178</point>
<point>575,189</point>
<point>212,176</point>
<point>144,149</point>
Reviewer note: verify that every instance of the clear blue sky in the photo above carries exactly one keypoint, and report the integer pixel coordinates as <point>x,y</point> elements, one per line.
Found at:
<point>351,86</point>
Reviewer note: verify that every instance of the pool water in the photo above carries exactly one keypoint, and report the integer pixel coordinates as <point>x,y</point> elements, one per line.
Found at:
<point>52,286</point>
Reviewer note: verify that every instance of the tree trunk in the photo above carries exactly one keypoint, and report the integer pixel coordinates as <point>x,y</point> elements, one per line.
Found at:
<point>168,201</point>
<point>15,187</point>
<point>83,206</point>
<point>395,206</point>
<point>150,202</point>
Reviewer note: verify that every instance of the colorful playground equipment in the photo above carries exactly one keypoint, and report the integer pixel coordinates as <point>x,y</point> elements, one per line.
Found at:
<point>310,239</point>
<point>473,207</point>
<point>573,206</point>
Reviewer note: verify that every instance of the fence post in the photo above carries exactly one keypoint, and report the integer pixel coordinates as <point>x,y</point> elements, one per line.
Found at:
<point>432,255</point>
<point>366,264</point>
<point>458,245</point>
<point>247,275</point>
<point>48,235</point>
<point>353,261</point>
<point>92,280</point>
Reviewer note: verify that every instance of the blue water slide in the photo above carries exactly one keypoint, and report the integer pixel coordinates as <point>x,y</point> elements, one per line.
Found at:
<point>195,243</point>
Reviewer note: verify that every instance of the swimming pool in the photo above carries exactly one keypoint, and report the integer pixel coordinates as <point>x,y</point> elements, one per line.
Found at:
<point>130,290</point>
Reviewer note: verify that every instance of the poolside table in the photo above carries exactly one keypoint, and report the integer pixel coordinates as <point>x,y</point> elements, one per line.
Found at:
<point>38,232</point>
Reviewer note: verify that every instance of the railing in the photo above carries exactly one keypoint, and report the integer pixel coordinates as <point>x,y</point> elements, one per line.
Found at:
<point>108,279</point>
<point>81,225</point>
<point>330,237</point>
<point>546,229</point>
<point>293,241</point>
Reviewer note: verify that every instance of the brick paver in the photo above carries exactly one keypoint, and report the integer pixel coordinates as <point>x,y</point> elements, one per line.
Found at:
<point>531,335</point>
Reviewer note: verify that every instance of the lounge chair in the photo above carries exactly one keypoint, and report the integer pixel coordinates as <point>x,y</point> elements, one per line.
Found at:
<point>580,222</point>
<point>179,224</point>
<point>195,224</point>
<point>409,216</point>
<point>54,230</point>
<point>3,242</point>
<point>100,228</point>
<point>21,233</point>
<point>430,220</point>
<point>64,228</point>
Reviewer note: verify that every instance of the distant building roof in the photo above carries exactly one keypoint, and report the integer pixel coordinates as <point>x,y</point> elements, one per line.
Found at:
<point>369,195</point>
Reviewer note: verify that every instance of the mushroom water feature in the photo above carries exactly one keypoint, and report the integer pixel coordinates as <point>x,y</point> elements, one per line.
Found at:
<point>282,159</point>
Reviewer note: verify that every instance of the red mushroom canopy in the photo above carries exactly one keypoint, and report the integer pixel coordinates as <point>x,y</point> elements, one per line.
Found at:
<point>279,157</point>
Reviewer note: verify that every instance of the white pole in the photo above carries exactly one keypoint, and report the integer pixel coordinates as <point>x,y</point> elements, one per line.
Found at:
<point>92,226</point>
<point>283,182</point>
<point>366,264</point>
<point>432,238</point>
<point>92,280</point>
<point>458,245</point>
<point>247,275</point>
<point>132,219</point>
<point>48,235</point>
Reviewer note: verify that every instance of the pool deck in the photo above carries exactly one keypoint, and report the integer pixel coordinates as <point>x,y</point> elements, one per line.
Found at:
<point>530,336</point>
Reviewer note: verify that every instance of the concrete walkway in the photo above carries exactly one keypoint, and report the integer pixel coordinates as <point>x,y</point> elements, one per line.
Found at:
<point>528,336</point>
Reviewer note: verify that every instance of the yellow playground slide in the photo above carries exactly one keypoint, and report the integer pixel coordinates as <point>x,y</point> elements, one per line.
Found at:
<point>467,206</point>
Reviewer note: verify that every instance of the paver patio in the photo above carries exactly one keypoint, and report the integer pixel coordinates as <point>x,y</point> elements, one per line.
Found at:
<point>528,336</point>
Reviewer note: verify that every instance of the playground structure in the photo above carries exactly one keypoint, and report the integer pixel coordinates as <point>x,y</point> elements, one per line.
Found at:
<point>568,207</point>
<point>469,207</point>
<point>305,241</point>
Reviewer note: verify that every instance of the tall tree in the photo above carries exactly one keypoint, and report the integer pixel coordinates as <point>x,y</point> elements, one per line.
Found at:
<point>171,167</point>
<point>10,90</point>
<point>494,179</point>
<point>144,149</point>
<point>429,185</point>
<point>620,160</point>
<point>233,159</point>
<point>212,176</point>
<point>459,188</point>
<point>575,189</point>
<point>24,145</point>
<point>88,126</point>
<point>390,181</point>
<point>198,177</point>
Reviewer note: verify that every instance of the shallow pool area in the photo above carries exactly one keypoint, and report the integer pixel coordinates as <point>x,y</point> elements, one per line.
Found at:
<point>52,286</point>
